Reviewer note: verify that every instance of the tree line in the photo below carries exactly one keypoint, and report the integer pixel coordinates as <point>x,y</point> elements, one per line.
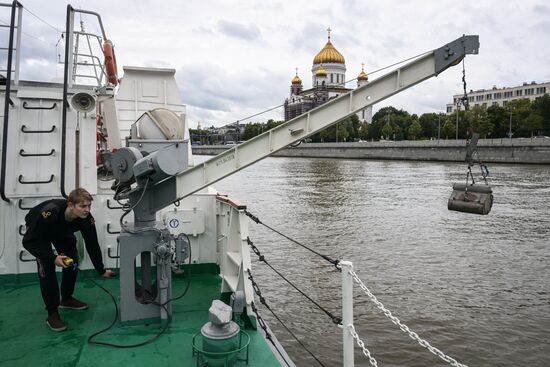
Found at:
<point>522,118</point>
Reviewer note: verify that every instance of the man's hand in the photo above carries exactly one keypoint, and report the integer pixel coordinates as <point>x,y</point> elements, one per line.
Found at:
<point>108,274</point>
<point>59,261</point>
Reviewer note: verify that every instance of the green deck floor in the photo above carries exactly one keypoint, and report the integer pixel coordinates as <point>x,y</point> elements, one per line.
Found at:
<point>25,340</point>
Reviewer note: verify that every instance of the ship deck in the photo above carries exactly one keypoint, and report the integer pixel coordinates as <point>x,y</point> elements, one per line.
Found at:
<point>27,341</point>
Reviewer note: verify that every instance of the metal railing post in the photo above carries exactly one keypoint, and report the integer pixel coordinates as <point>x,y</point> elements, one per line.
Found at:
<point>347,312</point>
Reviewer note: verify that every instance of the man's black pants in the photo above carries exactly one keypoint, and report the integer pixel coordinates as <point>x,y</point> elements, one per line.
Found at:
<point>46,273</point>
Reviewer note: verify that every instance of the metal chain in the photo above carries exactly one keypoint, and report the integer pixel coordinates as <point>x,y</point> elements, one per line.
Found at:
<point>465,100</point>
<point>361,344</point>
<point>453,362</point>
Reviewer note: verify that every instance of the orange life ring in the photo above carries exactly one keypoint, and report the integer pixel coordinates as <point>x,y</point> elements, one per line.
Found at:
<point>110,62</point>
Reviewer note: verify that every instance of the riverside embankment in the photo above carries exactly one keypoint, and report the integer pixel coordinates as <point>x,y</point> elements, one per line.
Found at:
<point>521,150</point>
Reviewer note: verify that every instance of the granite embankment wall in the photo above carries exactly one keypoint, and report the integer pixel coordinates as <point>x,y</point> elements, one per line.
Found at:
<point>528,151</point>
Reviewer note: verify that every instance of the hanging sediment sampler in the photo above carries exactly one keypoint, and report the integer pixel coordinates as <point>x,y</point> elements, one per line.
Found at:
<point>477,199</point>
<point>471,197</point>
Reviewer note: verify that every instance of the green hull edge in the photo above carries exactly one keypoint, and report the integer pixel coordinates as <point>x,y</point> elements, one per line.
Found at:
<point>27,341</point>
<point>208,268</point>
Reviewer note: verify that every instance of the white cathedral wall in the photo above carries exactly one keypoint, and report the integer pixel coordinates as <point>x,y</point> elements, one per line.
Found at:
<point>338,72</point>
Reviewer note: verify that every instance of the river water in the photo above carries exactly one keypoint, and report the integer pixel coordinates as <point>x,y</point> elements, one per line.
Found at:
<point>476,287</point>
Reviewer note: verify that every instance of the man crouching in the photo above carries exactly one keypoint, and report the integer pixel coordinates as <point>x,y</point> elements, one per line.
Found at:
<point>53,222</point>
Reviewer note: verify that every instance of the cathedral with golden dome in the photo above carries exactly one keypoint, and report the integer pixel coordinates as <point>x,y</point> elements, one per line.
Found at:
<point>328,82</point>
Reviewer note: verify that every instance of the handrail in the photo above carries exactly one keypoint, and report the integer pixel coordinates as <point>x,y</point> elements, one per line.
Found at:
<point>20,179</point>
<point>92,13</point>
<point>39,108</point>
<point>109,254</point>
<point>109,229</point>
<point>112,207</point>
<point>7,100</point>
<point>20,205</point>
<point>23,154</point>
<point>36,131</point>
<point>24,260</point>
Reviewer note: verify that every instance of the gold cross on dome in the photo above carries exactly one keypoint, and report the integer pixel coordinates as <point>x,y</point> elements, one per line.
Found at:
<point>296,71</point>
<point>329,30</point>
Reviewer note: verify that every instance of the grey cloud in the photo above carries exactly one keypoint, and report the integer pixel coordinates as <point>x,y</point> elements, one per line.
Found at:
<point>207,89</point>
<point>248,32</point>
<point>541,9</point>
<point>311,39</point>
<point>543,26</point>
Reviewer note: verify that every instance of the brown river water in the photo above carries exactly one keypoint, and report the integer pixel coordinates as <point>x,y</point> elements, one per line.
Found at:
<point>476,287</point>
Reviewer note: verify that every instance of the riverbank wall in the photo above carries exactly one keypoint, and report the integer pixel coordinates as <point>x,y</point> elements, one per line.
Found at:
<point>521,150</point>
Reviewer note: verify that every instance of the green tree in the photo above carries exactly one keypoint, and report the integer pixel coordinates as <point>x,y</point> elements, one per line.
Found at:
<point>430,124</point>
<point>520,109</point>
<point>364,131</point>
<point>499,118</point>
<point>542,106</point>
<point>415,130</point>
<point>329,134</point>
<point>251,130</point>
<point>479,121</point>
<point>396,118</point>
<point>532,123</point>
<point>448,129</point>
<point>387,131</point>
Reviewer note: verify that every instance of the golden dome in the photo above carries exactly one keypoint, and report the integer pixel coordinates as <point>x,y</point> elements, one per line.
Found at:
<point>321,71</point>
<point>296,80</point>
<point>362,75</point>
<point>329,54</point>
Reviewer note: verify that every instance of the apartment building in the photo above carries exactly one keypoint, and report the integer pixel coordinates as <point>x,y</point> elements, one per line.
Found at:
<point>500,96</point>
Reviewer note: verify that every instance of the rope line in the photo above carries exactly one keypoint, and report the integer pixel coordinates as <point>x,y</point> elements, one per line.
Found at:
<point>40,19</point>
<point>335,319</point>
<point>263,302</point>
<point>327,258</point>
<point>263,325</point>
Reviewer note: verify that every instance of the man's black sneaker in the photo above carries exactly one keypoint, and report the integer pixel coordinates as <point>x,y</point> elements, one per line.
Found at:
<point>55,323</point>
<point>73,304</point>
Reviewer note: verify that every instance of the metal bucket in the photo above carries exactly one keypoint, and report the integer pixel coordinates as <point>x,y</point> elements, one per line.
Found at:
<point>477,199</point>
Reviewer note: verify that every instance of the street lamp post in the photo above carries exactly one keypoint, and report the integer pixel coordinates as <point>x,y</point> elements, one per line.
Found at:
<point>457,110</point>
<point>439,127</point>
<point>510,133</point>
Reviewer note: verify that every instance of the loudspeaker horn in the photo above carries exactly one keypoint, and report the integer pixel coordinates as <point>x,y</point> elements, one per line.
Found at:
<point>83,102</point>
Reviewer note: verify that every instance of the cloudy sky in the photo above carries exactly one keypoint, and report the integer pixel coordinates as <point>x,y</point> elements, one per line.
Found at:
<point>234,59</point>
